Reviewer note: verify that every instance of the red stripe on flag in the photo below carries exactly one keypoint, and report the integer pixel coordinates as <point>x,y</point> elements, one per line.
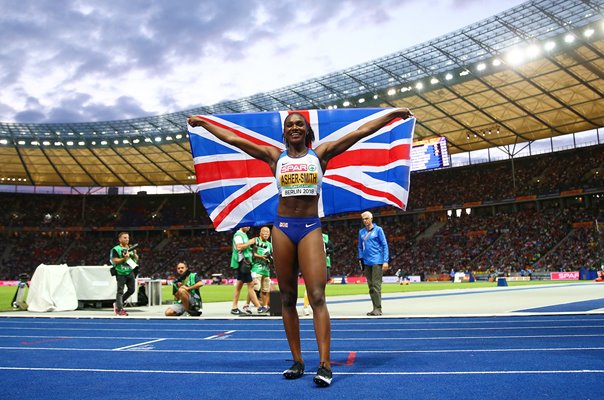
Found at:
<point>222,215</point>
<point>231,169</point>
<point>373,192</point>
<point>370,157</point>
<point>253,139</point>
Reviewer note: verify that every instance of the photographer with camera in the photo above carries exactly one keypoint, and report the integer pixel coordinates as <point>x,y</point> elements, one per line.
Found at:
<point>262,259</point>
<point>186,291</point>
<point>124,261</point>
<point>241,262</point>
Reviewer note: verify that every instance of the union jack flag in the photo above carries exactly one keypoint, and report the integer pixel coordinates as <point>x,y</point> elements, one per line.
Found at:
<point>238,190</point>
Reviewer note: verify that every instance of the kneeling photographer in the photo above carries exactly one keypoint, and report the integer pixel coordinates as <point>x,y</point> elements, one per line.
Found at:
<point>186,292</point>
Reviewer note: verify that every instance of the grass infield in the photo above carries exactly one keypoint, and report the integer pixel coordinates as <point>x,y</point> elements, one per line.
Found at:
<point>217,293</point>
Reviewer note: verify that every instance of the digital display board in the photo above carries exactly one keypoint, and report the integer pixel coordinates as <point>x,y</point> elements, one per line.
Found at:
<point>429,153</point>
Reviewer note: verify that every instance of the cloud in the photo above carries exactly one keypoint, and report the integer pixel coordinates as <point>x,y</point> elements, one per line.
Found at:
<point>88,60</point>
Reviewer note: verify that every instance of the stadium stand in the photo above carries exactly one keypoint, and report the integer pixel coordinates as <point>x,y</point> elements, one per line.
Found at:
<point>549,231</point>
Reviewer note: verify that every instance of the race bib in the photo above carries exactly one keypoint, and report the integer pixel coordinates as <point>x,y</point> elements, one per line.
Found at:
<point>299,180</point>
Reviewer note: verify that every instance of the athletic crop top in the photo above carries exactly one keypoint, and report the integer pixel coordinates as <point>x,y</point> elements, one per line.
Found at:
<point>299,176</point>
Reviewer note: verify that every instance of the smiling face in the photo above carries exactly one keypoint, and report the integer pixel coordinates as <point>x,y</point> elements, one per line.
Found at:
<point>297,131</point>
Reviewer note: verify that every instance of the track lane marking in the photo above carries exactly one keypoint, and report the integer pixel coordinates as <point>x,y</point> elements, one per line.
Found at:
<point>362,373</point>
<point>138,344</point>
<point>222,335</point>
<point>351,354</point>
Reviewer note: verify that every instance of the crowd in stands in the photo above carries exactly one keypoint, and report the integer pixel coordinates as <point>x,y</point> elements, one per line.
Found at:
<point>549,235</point>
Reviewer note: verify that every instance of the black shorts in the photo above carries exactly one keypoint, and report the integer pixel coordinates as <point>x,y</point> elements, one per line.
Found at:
<point>245,277</point>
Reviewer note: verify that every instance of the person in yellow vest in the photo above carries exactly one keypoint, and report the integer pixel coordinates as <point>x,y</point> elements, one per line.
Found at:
<point>124,261</point>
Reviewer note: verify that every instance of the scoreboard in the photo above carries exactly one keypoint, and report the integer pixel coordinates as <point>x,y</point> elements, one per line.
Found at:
<point>430,153</point>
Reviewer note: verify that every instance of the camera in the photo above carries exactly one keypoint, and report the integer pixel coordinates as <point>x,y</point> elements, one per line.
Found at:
<point>129,249</point>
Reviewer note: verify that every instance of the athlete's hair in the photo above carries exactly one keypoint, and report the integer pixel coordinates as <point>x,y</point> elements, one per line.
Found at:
<point>310,134</point>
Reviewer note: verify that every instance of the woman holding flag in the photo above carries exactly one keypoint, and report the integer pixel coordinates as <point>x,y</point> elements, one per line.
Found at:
<point>297,239</point>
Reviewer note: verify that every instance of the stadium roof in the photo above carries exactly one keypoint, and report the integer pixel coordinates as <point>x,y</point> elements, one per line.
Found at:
<point>532,72</point>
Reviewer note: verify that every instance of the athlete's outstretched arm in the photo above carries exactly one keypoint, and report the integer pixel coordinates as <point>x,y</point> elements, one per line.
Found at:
<point>328,150</point>
<point>267,154</point>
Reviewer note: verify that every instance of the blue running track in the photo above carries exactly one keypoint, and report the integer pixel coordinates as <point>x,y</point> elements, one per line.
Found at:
<point>519,357</point>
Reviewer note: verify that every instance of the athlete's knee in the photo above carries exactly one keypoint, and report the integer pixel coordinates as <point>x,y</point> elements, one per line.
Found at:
<point>289,298</point>
<point>316,296</point>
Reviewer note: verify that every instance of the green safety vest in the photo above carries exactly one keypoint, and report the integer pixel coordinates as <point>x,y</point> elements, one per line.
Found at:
<point>328,258</point>
<point>121,268</point>
<point>247,252</point>
<point>190,281</point>
<point>263,248</point>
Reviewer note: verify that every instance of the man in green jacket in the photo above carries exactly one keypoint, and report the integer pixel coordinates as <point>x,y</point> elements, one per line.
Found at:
<point>186,291</point>
<point>241,261</point>
<point>123,261</point>
<point>261,265</point>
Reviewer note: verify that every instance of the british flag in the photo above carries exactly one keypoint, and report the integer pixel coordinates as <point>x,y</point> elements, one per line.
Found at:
<point>238,190</point>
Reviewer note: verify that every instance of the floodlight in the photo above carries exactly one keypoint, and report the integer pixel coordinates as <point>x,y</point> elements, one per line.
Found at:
<point>419,86</point>
<point>533,51</point>
<point>496,62</point>
<point>481,67</point>
<point>434,81</point>
<point>346,103</point>
<point>361,100</point>
<point>588,32</point>
<point>515,57</point>
<point>569,38</point>
<point>549,45</point>
<point>449,76</point>
<point>391,92</point>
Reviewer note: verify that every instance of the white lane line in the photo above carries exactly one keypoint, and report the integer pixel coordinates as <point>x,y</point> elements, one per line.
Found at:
<point>138,344</point>
<point>220,335</point>
<point>362,373</point>
<point>312,339</point>
<point>455,328</point>
<point>370,322</point>
<point>524,350</point>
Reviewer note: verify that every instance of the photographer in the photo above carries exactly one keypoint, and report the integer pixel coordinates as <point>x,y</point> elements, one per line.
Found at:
<point>262,258</point>
<point>241,261</point>
<point>124,260</point>
<point>186,291</point>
